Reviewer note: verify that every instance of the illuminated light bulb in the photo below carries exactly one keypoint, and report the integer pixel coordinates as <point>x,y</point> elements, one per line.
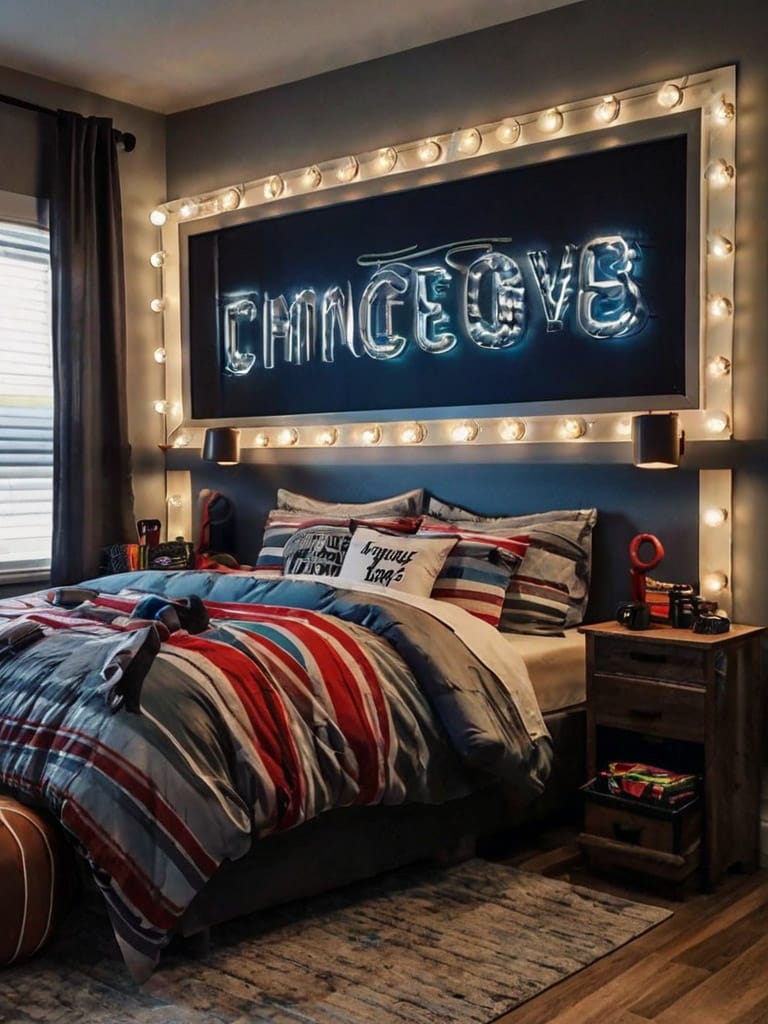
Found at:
<point>157,305</point>
<point>160,355</point>
<point>572,427</point>
<point>714,582</point>
<point>724,112</point>
<point>230,199</point>
<point>188,208</point>
<point>371,435</point>
<point>261,439</point>
<point>273,187</point>
<point>624,428</point>
<point>669,96</point>
<point>719,306</point>
<point>327,436</point>
<point>607,109</point>
<point>508,131</point>
<point>719,366</point>
<point>386,159</point>
<point>287,437</point>
<point>429,151</point>
<point>413,433</point>
<point>157,259</point>
<point>512,430</point>
<point>720,173</point>
<point>175,501</point>
<point>717,422</point>
<point>469,141</point>
<point>715,516</point>
<point>158,217</point>
<point>312,177</point>
<point>463,433</point>
<point>348,169</point>
<point>182,441</point>
<point>719,245</point>
<point>551,121</point>
<point>161,406</point>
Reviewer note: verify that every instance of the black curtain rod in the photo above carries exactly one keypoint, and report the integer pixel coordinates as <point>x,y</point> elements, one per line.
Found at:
<point>125,139</point>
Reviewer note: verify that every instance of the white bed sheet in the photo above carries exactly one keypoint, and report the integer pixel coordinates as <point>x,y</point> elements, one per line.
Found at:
<point>556,667</point>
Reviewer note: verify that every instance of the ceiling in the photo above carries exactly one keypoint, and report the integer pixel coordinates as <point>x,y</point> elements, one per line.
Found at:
<point>170,55</point>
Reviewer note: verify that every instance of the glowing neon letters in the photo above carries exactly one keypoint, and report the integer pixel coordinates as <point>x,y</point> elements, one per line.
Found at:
<point>489,290</point>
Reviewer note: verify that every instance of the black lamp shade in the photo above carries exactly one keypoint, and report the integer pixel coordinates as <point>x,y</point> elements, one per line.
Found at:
<point>222,445</point>
<point>656,441</point>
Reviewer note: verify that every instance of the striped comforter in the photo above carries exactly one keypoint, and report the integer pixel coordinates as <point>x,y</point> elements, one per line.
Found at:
<point>298,698</point>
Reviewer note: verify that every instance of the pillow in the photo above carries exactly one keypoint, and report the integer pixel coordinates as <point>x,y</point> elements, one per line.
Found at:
<point>549,592</point>
<point>282,525</point>
<point>408,504</point>
<point>409,564</point>
<point>316,550</point>
<point>457,514</point>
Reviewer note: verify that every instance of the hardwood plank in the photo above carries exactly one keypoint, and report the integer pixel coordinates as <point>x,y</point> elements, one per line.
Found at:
<point>714,952</point>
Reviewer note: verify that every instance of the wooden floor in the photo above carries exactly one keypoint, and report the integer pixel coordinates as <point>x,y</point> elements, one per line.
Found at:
<point>707,964</point>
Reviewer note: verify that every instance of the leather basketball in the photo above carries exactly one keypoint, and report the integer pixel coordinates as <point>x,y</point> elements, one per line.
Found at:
<point>34,880</point>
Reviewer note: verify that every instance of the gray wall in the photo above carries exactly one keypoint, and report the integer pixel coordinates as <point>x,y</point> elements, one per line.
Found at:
<point>586,49</point>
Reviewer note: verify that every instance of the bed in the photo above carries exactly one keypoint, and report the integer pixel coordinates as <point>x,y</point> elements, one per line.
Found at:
<point>309,732</point>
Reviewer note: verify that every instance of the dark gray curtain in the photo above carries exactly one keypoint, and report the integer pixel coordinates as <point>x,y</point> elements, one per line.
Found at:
<point>92,494</point>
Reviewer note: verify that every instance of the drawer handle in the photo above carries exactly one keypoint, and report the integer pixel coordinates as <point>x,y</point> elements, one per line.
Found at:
<point>653,659</point>
<point>627,833</point>
<point>647,714</point>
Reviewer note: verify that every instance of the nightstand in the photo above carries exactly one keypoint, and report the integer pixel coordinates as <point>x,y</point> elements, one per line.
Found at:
<point>686,702</point>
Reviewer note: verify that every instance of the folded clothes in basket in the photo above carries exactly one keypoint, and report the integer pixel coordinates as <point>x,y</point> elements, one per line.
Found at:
<point>648,783</point>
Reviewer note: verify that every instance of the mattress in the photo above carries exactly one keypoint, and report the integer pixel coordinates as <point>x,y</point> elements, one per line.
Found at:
<point>556,667</point>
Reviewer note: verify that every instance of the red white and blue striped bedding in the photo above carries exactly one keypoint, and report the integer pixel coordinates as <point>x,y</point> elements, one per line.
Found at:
<point>299,697</point>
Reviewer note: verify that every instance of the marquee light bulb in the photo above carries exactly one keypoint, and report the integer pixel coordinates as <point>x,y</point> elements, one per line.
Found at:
<point>327,436</point>
<point>719,245</point>
<point>720,173</point>
<point>413,433</point>
<point>624,427</point>
<point>669,96</point>
<point>175,501</point>
<point>273,187</point>
<point>158,217</point>
<point>469,141</point>
<point>157,305</point>
<point>464,432</point>
<point>312,177</point>
<point>157,259</point>
<point>508,131</point>
<point>714,582</point>
<point>386,159</point>
<point>231,198</point>
<point>512,430</point>
<point>718,306</point>
<point>724,112</point>
<point>719,366</point>
<point>287,437</point>
<point>160,355</point>
<point>161,406</point>
<point>182,441</point>
<point>348,169</point>
<point>188,208</point>
<point>717,422</point>
<point>607,109</point>
<point>261,439</point>
<point>572,428</point>
<point>551,121</point>
<point>429,151</point>
<point>371,435</point>
<point>715,516</point>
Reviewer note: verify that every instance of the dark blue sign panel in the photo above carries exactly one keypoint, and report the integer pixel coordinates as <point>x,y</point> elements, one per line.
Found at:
<point>558,282</point>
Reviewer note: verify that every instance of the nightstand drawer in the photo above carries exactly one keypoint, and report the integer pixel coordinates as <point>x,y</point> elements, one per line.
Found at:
<point>643,824</point>
<point>643,705</point>
<point>679,663</point>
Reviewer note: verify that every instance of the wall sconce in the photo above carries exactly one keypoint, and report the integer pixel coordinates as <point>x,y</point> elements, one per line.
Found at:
<point>222,445</point>
<point>657,442</point>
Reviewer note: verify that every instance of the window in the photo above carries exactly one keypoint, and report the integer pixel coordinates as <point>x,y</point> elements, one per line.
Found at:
<point>26,392</point>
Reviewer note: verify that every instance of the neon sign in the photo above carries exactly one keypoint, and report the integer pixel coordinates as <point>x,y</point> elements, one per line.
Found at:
<point>403,302</point>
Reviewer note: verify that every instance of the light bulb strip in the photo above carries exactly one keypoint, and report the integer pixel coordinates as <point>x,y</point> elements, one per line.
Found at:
<point>715,492</point>
<point>706,91</point>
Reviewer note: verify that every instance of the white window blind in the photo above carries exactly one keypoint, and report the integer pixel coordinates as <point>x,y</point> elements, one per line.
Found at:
<point>26,402</point>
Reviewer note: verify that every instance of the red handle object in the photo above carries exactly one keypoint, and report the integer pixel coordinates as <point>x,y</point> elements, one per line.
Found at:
<point>640,568</point>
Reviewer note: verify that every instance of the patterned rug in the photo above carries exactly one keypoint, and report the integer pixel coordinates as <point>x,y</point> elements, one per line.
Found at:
<point>417,946</point>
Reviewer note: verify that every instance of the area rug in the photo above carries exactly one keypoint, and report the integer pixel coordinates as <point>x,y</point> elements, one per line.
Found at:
<point>420,945</point>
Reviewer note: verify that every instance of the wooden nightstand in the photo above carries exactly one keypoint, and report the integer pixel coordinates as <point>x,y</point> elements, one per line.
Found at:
<point>686,702</point>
